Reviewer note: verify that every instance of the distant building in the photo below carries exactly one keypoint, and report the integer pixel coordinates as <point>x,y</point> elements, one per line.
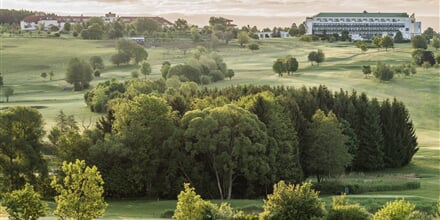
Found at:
<point>269,34</point>
<point>364,26</point>
<point>34,21</point>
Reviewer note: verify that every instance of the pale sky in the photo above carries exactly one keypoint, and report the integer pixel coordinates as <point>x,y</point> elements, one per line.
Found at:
<point>262,13</point>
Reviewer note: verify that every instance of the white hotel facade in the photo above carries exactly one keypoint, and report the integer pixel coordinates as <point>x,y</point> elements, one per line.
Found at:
<point>364,26</point>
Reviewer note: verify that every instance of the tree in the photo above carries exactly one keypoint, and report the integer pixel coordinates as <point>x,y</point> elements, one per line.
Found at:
<point>79,73</point>
<point>51,75</point>
<point>119,58</point>
<point>345,36</point>
<point>95,31</point>
<point>279,67</point>
<point>387,42</point>
<point>398,209</point>
<point>377,41</point>
<point>436,43</point>
<point>398,38</point>
<point>312,56</point>
<point>145,69</point>
<point>8,92</point>
<point>366,69</point>
<point>291,64</point>
<point>147,25</point>
<point>420,56</point>
<point>96,62</point>
<point>243,38</point>
<point>302,29</point>
<point>292,202</point>
<point>43,75</point>
<point>429,33</point>
<point>383,72</point>
<point>230,73</point>
<point>21,161</point>
<point>189,204</point>
<point>419,42</point>
<point>67,27</point>
<point>139,54</point>
<point>327,154</point>
<point>185,72</point>
<point>80,192</point>
<point>293,31</point>
<point>320,57</point>
<point>181,25</point>
<point>195,34</point>
<point>218,134</point>
<point>165,68</point>
<point>24,204</point>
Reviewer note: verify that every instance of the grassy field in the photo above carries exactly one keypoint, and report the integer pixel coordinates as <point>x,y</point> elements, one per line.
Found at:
<point>23,59</point>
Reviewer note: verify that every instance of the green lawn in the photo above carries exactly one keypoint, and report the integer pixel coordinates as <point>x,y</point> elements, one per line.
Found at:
<point>23,59</point>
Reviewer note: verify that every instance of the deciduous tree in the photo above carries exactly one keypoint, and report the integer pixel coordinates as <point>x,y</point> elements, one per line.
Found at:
<point>80,192</point>
<point>79,73</point>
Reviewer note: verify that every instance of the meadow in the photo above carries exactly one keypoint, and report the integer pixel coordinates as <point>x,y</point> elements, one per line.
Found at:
<point>22,60</point>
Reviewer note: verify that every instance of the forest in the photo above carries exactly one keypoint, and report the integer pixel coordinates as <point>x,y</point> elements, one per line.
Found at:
<point>234,142</point>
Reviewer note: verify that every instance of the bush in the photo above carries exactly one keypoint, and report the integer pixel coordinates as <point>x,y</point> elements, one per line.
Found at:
<point>75,34</point>
<point>97,73</point>
<point>24,204</point>
<point>292,202</point>
<point>398,209</point>
<point>253,46</point>
<point>341,210</point>
<point>205,80</point>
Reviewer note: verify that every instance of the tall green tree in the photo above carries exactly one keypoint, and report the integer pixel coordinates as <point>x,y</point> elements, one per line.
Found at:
<point>243,38</point>
<point>419,42</point>
<point>320,57</point>
<point>291,64</point>
<point>436,42</point>
<point>145,69</point>
<point>279,67</point>
<point>181,25</point>
<point>232,140</point>
<point>400,141</point>
<point>367,125</point>
<point>147,26</point>
<point>139,54</point>
<point>312,56</point>
<point>21,161</point>
<point>377,41</point>
<point>96,62</point>
<point>398,38</point>
<point>8,92</point>
<point>80,192</point>
<point>79,74</point>
<point>387,42</point>
<point>327,155</point>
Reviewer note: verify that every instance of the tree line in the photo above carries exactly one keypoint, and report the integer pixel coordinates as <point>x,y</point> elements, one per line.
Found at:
<point>234,142</point>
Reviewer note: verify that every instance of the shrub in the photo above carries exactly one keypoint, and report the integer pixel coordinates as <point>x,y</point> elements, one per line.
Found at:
<point>24,204</point>
<point>75,34</point>
<point>253,46</point>
<point>398,209</point>
<point>292,202</point>
<point>189,204</point>
<point>341,210</point>
<point>97,73</point>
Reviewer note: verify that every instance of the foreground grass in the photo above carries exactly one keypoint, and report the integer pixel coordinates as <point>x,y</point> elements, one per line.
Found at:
<point>23,59</point>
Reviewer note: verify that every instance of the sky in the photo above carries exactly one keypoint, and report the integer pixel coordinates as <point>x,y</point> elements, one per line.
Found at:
<point>261,13</point>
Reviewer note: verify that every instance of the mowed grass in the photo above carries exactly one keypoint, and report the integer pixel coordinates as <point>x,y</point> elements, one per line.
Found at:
<point>23,59</point>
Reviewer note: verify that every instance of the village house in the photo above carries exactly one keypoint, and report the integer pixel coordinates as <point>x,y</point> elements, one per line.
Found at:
<point>33,22</point>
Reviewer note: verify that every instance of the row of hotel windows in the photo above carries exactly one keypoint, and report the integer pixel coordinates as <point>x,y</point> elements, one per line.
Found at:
<point>399,25</point>
<point>356,29</point>
<point>357,20</point>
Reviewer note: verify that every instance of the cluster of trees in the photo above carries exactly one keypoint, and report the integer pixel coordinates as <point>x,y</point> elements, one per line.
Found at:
<point>383,42</point>
<point>236,141</point>
<point>200,67</point>
<point>129,50</point>
<point>287,64</point>
<point>294,201</point>
<point>12,16</point>
<point>316,56</point>
<point>386,72</point>
<point>80,196</point>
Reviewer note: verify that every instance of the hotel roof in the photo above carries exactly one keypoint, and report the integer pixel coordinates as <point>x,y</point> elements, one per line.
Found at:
<point>362,15</point>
